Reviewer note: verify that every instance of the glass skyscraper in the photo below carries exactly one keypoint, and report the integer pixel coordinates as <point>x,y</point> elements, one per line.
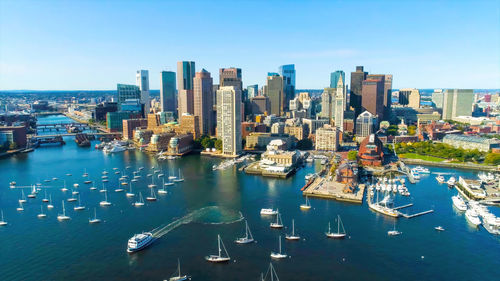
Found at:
<point>167,91</point>
<point>288,73</point>
<point>334,78</point>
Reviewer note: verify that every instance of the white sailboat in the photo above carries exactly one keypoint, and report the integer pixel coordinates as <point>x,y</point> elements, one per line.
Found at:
<point>23,197</point>
<point>130,193</point>
<point>248,236</point>
<point>278,223</point>
<point>20,208</point>
<point>33,192</point>
<point>394,232</point>
<point>272,274</point>
<point>50,206</point>
<point>292,236</point>
<point>219,257</point>
<point>64,189</point>
<point>152,185</point>
<point>140,202</point>
<point>95,219</point>
<point>63,217</point>
<point>2,222</point>
<point>105,202</point>
<point>103,188</point>
<point>338,234</point>
<point>172,177</point>
<point>306,206</point>
<point>42,214</point>
<point>71,199</point>
<point>162,190</point>
<point>180,178</point>
<point>79,207</point>
<point>278,255</point>
<point>152,197</point>
<point>177,274</point>
<point>45,199</point>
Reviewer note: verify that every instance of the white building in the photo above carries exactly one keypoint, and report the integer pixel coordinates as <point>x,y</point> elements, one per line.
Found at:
<point>229,119</point>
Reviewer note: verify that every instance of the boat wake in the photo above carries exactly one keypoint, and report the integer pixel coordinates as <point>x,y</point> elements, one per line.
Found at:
<point>206,215</point>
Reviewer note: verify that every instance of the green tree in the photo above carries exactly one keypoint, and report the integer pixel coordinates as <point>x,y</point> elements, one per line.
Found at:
<point>218,144</point>
<point>351,155</point>
<point>492,159</point>
<point>392,130</point>
<point>412,130</point>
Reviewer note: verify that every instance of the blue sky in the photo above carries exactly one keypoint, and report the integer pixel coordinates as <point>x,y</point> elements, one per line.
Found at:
<point>67,45</point>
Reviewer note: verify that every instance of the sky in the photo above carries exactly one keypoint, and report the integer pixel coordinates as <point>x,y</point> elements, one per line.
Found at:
<point>93,45</point>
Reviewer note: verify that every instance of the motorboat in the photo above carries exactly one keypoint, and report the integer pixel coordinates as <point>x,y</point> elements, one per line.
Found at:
<point>459,203</point>
<point>422,170</point>
<point>248,238</point>
<point>268,212</point>
<point>219,258</point>
<point>139,242</point>
<point>451,182</point>
<point>440,178</point>
<point>472,216</point>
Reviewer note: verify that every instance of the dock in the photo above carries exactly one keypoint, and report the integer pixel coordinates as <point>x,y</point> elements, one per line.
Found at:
<point>322,188</point>
<point>404,206</point>
<point>417,214</point>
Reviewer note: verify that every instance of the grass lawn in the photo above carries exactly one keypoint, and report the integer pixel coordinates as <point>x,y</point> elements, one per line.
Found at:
<point>422,157</point>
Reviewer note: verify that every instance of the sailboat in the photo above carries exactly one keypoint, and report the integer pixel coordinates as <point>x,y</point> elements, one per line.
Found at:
<point>105,202</point>
<point>306,206</point>
<point>130,193</point>
<point>2,222</point>
<point>248,236</point>
<point>152,185</point>
<point>394,232</point>
<point>338,234</point>
<point>278,255</point>
<point>85,174</point>
<point>42,214</point>
<point>93,188</point>
<point>64,189</point>
<point>79,207</point>
<point>180,178</point>
<point>272,274</point>
<point>162,190</point>
<point>172,177</point>
<point>292,237</point>
<point>50,206</point>
<point>95,219</point>
<point>152,197</point>
<point>45,198</point>
<point>74,192</point>
<point>278,223</point>
<point>33,192</point>
<point>20,208</point>
<point>63,217</point>
<point>219,257</point>
<point>177,274</point>
<point>72,199</point>
<point>103,189</point>
<point>140,202</point>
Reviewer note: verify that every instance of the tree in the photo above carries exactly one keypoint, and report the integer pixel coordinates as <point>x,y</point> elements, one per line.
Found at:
<point>218,144</point>
<point>492,159</point>
<point>207,142</point>
<point>351,155</point>
<point>392,130</point>
<point>412,130</point>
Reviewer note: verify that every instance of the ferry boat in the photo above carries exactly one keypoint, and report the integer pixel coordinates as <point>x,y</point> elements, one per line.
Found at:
<point>440,179</point>
<point>268,212</point>
<point>451,182</point>
<point>459,203</point>
<point>472,217</point>
<point>139,242</point>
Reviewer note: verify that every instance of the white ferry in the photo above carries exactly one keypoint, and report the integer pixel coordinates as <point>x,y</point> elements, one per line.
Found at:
<point>459,203</point>
<point>139,242</point>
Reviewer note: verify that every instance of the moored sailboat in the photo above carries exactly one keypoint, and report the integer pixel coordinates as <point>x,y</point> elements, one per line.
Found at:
<point>248,236</point>
<point>278,255</point>
<point>293,236</point>
<point>339,234</point>
<point>219,258</point>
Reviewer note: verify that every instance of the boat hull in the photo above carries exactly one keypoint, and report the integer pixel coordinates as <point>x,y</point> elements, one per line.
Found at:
<point>133,250</point>
<point>216,259</point>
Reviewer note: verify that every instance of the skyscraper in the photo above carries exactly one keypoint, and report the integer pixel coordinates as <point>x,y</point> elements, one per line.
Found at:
<point>185,74</point>
<point>229,119</point>
<point>437,98</point>
<point>167,91</point>
<point>387,78</point>
<point>334,78</point>
<point>339,104</point>
<point>142,80</point>
<point>126,92</point>
<point>373,96</point>
<point>357,79</point>
<point>288,73</point>
<point>327,103</point>
<point>185,102</point>
<point>230,77</point>
<point>252,91</point>
<point>409,97</point>
<point>457,102</point>
<point>365,124</point>
<point>274,91</point>
<point>202,101</point>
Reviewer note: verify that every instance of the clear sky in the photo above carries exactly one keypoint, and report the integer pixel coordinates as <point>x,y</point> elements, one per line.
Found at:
<point>69,45</point>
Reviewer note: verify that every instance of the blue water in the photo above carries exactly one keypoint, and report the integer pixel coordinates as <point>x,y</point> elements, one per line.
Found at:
<point>46,249</point>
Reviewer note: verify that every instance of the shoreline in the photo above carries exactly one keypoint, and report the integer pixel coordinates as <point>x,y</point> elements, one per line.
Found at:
<point>466,166</point>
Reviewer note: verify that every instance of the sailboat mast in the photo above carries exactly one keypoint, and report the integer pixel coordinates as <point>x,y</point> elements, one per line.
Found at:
<point>293,227</point>
<point>218,243</point>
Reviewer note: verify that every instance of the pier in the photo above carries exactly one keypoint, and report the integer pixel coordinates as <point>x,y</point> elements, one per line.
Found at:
<point>404,206</point>
<point>417,214</point>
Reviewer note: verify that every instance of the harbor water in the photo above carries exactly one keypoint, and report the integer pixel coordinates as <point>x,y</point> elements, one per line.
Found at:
<point>188,218</point>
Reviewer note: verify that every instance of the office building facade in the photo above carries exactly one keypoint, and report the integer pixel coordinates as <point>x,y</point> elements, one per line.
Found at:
<point>252,91</point>
<point>167,91</point>
<point>274,91</point>
<point>373,96</point>
<point>409,97</point>
<point>457,102</point>
<point>357,79</point>
<point>335,76</point>
<point>229,120</point>
<point>142,81</point>
<point>185,75</point>
<point>202,101</point>
<point>288,73</point>
<point>366,123</point>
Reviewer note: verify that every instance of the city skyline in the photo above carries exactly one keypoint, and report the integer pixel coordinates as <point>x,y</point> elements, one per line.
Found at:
<point>94,47</point>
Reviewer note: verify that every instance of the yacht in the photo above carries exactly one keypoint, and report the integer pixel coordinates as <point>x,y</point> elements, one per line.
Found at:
<point>278,255</point>
<point>439,228</point>
<point>248,236</point>
<point>63,217</point>
<point>95,219</point>
<point>219,257</point>
<point>268,212</point>
<point>293,236</point>
<point>2,222</point>
<point>306,206</point>
<point>384,210</point>
<point>339,234</point>
<point>50,206</point>
<point>140,202</point>
<point>152,197</point>
<point>451,182</point>
<point>459,203</point>
<point>23,197</point>
<point>278,223</point>
<point>394,232</point>
<point>180,178</point>
<point>177,274</point>
<point>79,207</point>
<point>105,202</point>
<point>440,178</point>
<point>422,170</point>
<point>472,216</point>
<point>42,215</point>
<point>139,242</point>
<point>415,174</point>
<point>20,208</point>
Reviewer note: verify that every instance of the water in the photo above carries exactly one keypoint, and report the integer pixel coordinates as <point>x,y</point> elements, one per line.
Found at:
<point>207,203</point>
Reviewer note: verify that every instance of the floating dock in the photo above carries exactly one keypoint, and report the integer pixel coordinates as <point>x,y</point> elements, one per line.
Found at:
<point>417,214</point>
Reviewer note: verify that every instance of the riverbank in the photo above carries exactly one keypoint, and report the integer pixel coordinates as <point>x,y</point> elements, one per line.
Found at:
<point>469,166</point>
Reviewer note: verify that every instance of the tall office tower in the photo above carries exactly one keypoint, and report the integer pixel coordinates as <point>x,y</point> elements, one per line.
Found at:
<point>230,77</point>
<point>387,84</point>
<point>142,80</point>
<point>334,78</point>
<point>185,102</point>
<point>409,97</point>
<point>327,103</point>
<point>373,96</point>
<point>274,91</point>
<point>457,102</point>
<point>229,119</point>
<point>127,92</point>
<point>252,91</point>
<point>437,98</point>
<point>203,103</point>
<point>339,104</point>
<point>167,91</point>
<point>357,79</point>
<point>288,73</point>
<point>366,123</point>
<point>185,75</point>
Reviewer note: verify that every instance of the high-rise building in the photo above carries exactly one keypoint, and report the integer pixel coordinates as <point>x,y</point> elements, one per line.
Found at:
<point>334,78</point>
<point>185,102</point>
<point>387,92</point>
<point>252,91</point>
<point>366,123</point>
<point>339,104</point>
<point>288,73</point>
<point>357,79</point>
<point>327,138</point>
<point>202,101</point>
<point>260,105</point>
<point>409,97</point>
<point>373,96</point>
<point>437,98</point>
<point>142,80</point>
<point>457,102</point>
<point>327,103</point>
<point>230,77</point>
<point>126,92</point>
<point>185,75</point>
<point>167,91</point>
<point>229,119</point>
<point>274,91</point>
